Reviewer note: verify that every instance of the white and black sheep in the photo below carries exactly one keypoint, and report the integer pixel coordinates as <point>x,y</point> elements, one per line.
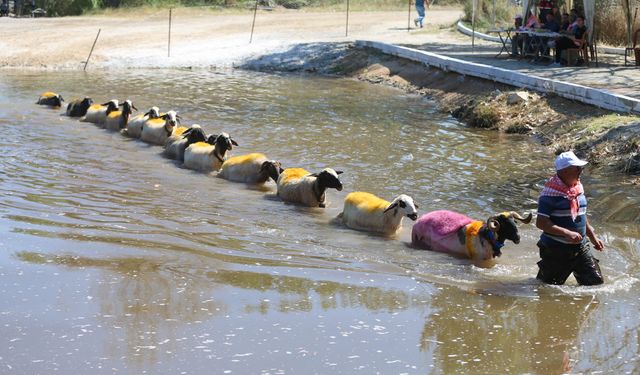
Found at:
<point>252,168</point>
<point>367,212</point>
<point>178,141</point>
<point>51,99</point>
<point>79,107</point>
<point>134,127</point>
<point>156,131</point>
<point>117,120</point>
<point>300,186</point>
<point>208,156</point>
<point>97,113</point>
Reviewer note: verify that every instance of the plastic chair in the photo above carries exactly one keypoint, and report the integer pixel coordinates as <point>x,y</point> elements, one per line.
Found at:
<point>633,49</point>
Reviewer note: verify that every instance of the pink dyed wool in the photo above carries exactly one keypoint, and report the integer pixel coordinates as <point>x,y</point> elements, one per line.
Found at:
<point>437,229</point>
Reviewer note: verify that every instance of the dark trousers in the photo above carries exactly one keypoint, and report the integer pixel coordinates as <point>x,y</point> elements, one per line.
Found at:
<point>561,44</point>
<point>558,262</point>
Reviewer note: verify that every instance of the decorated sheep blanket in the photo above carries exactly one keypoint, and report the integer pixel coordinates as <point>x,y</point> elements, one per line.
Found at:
<point>438,230</point>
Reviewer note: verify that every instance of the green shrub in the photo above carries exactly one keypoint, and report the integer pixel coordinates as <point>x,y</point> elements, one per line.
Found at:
<point>484,116</point>
<point>67,7</point>
<point>504,11</point>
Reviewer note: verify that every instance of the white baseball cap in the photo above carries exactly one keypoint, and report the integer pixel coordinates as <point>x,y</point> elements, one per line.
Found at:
<point>568,159</point>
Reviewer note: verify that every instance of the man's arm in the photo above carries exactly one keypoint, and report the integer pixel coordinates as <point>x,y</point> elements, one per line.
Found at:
<point>547,226</point>
<point>597,243</point>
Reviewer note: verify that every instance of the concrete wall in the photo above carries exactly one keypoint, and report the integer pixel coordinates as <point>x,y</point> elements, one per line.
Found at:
<point>596,97</point>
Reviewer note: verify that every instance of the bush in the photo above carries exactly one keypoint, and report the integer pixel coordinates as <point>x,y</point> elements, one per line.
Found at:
<point>484,116</point>
<point>611,26</point>
<point>292,4</point>
<point>504,10</point>
<point>68,7</point>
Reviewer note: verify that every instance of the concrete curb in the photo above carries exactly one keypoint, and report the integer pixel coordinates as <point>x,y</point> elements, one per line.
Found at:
<point>589,95</point>
<point>467,31</point>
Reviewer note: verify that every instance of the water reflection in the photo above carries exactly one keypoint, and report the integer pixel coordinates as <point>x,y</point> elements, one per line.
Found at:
<point>500,334</point>
<point>145,303</point>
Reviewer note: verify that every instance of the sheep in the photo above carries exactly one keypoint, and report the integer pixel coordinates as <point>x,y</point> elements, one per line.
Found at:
<point>156,131</point>
<point>51,99</point>
<point>134,126</point>
<point>179,140</point>
<point>97,113</point>
<point>79,107</point>
<point>367,212</point>
<point>117,120</point>
<point>299,186</point>
<point>457,234</point>
<point>208,156</point>
<point>252,168</point>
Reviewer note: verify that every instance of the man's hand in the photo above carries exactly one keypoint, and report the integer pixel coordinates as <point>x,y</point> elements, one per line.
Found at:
<point>597,243</point>
<point>573,237</point>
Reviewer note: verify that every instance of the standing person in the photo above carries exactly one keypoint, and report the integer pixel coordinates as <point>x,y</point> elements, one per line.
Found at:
<point>562,217</point>
<point>419,21</point>
<point>545,7</point>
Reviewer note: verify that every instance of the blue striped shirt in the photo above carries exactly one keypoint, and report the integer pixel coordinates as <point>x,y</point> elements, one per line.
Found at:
<point>558,210</point>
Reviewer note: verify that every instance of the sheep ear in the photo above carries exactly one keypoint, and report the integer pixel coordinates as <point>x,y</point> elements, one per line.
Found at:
<point>178,118</point>
<point>186,133</point>
<point>148,113</point>
<point>134,107</point>
<point>107,103</point>
<point>416,205</point>
<point>61,98</point>
<point>391,206</point>
<point>339,172</point>
<point>313,175</point>
<point>233,142</point>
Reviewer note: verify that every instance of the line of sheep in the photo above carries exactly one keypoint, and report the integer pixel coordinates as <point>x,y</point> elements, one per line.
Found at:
<point>444,231</point>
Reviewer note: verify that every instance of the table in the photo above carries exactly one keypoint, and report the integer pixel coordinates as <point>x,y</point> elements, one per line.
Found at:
<point>504,40</point>
<point>533,41</point>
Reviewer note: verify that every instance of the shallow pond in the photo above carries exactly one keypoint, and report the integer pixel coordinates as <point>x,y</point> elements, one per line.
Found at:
<point>114,259</point>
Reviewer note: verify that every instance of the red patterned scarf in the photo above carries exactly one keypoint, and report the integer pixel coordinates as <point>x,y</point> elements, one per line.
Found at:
<point>556,188</point>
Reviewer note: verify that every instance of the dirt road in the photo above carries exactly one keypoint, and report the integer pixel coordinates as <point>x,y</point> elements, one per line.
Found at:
<point>199,37</point>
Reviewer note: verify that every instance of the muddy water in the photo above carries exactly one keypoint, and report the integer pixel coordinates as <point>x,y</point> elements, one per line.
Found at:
<point>116,260</point>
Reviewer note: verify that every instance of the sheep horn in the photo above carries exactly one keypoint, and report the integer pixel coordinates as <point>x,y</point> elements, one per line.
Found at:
<point>493,224</point>
<point>524,220</point>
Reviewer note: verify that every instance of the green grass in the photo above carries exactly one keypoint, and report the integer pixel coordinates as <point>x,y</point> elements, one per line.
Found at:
<point>603,123</point>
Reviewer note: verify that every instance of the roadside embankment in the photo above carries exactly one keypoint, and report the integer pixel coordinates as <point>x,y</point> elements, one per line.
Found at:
<point>607,139</point>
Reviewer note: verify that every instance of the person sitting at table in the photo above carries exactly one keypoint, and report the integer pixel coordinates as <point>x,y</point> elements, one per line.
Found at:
<point>552,26</point>
<point>571,41</point>
<point>564,22</point>
<point>532,22</point>
<point>517,40</point>
<point>556,14</point>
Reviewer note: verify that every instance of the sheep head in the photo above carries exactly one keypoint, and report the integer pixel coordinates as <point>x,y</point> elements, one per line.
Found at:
<point>86,103</point>
<point>504,226</point>
<point>128,107</point>
<point>272,169</point>
<point>328,178</point>
<point>405,204</point>
<point>194,134</point>
<point>154,112</point>
<point>223,142</point>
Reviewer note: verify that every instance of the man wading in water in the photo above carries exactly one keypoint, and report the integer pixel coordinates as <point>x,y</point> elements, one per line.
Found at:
<point>562,216</point>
